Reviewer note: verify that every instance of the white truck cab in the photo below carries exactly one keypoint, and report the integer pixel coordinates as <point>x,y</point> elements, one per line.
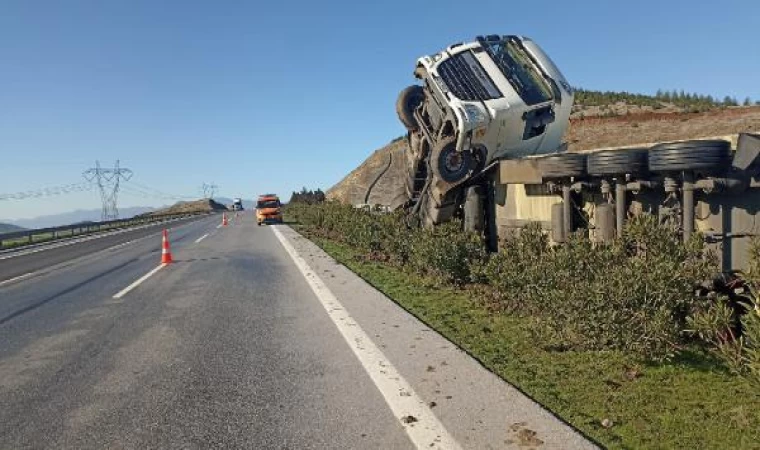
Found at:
<point>494,98</point>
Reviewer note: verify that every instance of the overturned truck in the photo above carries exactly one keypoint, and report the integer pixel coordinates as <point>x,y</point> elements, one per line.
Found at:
<point>498,97</point>
<point>485,144</point>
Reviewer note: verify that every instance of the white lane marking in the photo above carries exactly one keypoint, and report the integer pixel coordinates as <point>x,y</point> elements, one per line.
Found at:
<point>137,282</point>
<point>201,238</point>
<point>65,264</point>
<point>219,226</point>
<point>18,278</point>
<point>427,432</point>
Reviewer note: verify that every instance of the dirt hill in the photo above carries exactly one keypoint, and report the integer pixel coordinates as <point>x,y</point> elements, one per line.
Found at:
<point>388,159</point>
<point>628,125</point>
<point>203,205</point>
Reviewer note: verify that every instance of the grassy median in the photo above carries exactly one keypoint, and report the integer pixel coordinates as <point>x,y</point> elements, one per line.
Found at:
<point>619,398</point>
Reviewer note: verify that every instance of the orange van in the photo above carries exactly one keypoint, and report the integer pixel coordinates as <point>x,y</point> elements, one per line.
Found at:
<point>268,209</point>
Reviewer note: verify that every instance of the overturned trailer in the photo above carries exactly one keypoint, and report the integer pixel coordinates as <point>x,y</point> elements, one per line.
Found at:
<point>485,129</point>
<point>711,186</point>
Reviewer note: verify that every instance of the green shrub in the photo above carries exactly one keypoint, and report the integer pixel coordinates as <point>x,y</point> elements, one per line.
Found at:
<point>633,294</point>
<point>751,335</point>
<point>517,272</point>
<point>447,251</point>
<point>716,325</point>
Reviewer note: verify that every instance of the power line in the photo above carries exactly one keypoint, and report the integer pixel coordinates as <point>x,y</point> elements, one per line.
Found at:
<point>154,193</point>
<point>47,191</point>
<point>108,181</point>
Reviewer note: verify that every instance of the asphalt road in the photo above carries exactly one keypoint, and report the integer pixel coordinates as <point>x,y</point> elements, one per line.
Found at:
<point>234,346</point>
<point>47,254</point>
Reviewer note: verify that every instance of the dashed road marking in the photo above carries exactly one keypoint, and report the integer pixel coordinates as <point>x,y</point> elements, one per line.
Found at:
<point>422,426</point>
<point>18,278</point>
<point>201,238</point>
<point>137,282</point>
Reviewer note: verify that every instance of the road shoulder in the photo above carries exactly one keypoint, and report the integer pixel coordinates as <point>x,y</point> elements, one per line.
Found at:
<point>478,408</point>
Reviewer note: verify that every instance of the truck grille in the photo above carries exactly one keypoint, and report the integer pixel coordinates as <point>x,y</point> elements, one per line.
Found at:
<point>459,74</point>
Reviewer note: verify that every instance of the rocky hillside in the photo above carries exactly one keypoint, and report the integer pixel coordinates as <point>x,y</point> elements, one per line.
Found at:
<point>388,161</point>
<point>592,126</point>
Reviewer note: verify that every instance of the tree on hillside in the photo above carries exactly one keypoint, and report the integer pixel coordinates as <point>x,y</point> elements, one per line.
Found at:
<point>747,101</point>
<point>307,196</point>
<point>687,100</point>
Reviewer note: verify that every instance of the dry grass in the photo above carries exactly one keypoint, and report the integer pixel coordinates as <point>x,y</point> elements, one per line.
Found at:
<point>196,206</point>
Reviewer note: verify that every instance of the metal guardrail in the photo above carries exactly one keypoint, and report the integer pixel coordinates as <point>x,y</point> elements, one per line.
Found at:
<point>27,237</point>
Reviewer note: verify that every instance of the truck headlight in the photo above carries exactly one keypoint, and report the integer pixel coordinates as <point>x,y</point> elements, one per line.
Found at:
<point>474,114</point>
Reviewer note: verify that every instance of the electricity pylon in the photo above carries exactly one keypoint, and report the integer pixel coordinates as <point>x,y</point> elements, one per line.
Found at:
<point>108,180</point>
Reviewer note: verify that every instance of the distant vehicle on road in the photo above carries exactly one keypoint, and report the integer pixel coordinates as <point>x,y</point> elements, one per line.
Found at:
<point>268,209</point>
<point>237,204</point>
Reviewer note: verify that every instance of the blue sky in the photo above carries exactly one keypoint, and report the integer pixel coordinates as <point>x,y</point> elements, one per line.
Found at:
<point>273,96</point>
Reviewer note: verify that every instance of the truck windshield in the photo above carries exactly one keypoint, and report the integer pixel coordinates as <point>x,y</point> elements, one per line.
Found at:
<point>268,204</point>
<point>519,70</point>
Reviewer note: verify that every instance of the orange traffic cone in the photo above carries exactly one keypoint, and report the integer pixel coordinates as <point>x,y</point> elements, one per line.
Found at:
<point>224,219</point>
<point>166,253</point>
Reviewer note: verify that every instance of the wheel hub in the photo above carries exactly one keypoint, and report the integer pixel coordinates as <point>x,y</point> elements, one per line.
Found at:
<point>453,161</point>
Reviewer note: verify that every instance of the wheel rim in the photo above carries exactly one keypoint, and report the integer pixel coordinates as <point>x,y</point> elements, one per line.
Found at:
<point>453,161</point>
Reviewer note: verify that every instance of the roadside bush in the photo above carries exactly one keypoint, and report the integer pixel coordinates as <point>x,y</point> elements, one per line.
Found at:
<point>517,272</point>
<point>633,294</point>
<point>716,326</point>
<point>730,331</point>
<point>751,336</point>
<point>447,251</point>
<point>397,238</point>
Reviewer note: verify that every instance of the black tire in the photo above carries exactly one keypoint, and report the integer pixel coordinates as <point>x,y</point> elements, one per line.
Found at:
<point>480,155</point>
<point>449,164</point>
<point>408,100</point>
<point>618,162</point>
<point>708,156</point>
<point>562,165</point>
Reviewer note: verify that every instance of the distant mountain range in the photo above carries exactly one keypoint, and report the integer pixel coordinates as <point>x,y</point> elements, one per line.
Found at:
<point>67,218</point>
<point>8,228</point>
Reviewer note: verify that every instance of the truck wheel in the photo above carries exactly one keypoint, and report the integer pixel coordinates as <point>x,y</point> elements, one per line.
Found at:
<point>562,165</point>
<point>449,164</point>
<point>480,156</point>
<point>708,156</point>
<point>618,162</point>
<point>408,100</point>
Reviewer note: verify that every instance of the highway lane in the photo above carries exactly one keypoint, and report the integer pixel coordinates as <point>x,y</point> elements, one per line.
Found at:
<point>225,348</point>
<point>87,268</point>
<point>25,260</point>
<point>239,344</point>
